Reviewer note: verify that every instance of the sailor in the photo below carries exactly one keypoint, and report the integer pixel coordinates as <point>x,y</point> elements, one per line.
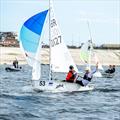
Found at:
<point>111,69</point>
<point>87,76</point>
<point>72,75</point>
<point>15,63</point>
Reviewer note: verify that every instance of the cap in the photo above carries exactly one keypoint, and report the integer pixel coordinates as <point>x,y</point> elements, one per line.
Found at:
<point>87,68</point>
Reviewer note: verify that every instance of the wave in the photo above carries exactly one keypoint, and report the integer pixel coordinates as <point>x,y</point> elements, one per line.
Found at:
<point>15,116</point>
<point>108,90</point>
<point>17,96</point>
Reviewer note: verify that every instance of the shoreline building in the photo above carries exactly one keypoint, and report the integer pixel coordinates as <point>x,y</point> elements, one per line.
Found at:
<point>9,39</point>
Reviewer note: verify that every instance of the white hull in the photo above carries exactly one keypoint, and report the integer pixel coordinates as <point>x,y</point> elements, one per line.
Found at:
<point>58,86</point>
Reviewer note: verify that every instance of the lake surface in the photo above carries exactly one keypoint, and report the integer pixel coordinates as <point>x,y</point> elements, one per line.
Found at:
<point>19,102</point>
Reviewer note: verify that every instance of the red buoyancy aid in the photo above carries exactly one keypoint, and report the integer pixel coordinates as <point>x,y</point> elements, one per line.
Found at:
<point>70,76</point>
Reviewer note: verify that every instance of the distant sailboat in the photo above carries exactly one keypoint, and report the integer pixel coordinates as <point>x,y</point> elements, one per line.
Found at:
<point>87,54</point>
<point>59,57</point>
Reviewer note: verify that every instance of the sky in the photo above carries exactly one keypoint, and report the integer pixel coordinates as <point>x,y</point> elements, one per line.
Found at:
<point>72,16</point>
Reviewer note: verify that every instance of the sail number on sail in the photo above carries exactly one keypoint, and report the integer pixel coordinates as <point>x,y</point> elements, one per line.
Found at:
<point>56,41</point>
<point>53,23</point>
<point>56,37</point>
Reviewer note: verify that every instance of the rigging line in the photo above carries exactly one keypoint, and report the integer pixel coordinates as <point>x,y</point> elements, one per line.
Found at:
<point>89,30</point>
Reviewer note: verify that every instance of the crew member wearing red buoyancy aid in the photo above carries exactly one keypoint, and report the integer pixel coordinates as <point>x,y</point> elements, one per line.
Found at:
<point>72,75</point>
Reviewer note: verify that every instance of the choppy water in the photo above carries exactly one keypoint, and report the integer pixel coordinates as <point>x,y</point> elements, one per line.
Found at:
<point>19,102</point>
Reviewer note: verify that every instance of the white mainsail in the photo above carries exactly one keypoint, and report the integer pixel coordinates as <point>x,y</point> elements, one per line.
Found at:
<point>87,54</point>
<point>61,58</point>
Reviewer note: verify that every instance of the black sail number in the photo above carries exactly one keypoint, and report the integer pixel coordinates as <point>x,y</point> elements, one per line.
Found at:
<point>56,41</point>
<point>42,83</point>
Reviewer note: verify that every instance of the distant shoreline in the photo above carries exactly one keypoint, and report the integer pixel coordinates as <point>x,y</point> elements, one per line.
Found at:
<point>76,47</point>
<point>106,57</point>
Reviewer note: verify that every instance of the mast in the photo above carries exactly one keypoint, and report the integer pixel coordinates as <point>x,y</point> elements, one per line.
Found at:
<point>89,30</point>
<point>90,43</point>
<point>90,56</point>
<point>50,66</point>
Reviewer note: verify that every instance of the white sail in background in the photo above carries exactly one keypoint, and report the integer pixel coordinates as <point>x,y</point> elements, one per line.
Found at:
<point>85,52</point>
<point>61,59</point>
<point>98,73</point>
<point>97,61</point>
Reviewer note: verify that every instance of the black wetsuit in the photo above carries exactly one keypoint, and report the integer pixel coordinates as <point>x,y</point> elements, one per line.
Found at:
<point>110,70</point>
<point>15,63</point>
<point>86,77</point>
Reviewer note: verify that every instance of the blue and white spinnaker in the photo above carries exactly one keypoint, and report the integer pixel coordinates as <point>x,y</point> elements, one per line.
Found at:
<point>30,42</point>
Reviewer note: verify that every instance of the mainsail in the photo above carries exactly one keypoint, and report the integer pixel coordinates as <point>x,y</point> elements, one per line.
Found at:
<point>30,42</point>
<point>85,52</point>
<point>61,58</point>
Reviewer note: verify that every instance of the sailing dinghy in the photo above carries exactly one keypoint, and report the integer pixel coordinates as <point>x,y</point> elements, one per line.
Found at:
<point>12,69</point>
<point>87,54</point>
<point>59,57</point>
